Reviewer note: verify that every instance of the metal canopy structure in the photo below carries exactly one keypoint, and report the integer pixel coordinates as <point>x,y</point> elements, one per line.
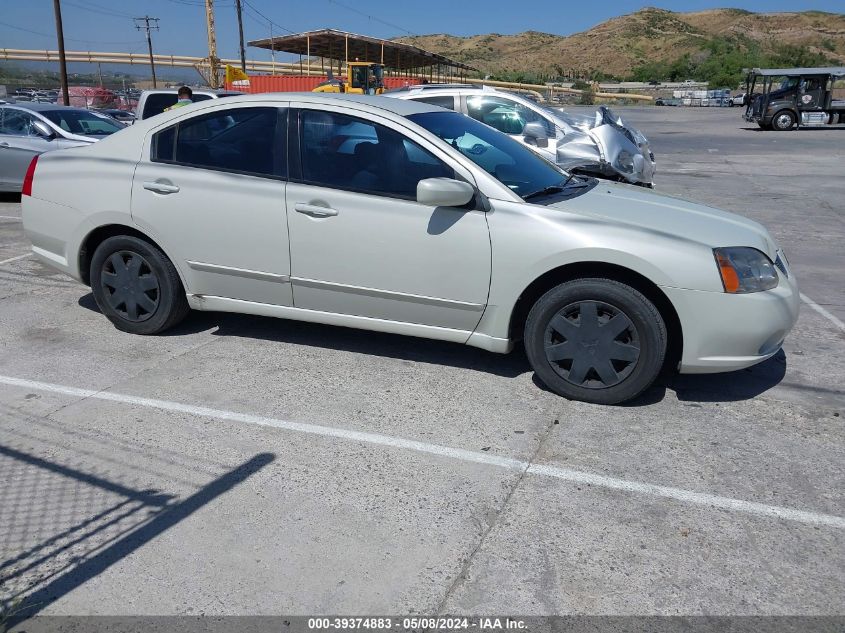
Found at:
<point>343,46</point>
<point>777,72</point>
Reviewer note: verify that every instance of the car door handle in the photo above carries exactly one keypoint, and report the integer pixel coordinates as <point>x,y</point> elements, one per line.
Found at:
<point>161,187</point>
<point>4,144</point>
<point>314,210</point>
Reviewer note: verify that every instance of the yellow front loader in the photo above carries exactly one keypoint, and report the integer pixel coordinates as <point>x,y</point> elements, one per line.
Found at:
<point>363,78</point>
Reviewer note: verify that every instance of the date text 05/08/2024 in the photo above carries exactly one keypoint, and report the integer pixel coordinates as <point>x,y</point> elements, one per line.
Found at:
<point>415,623</point>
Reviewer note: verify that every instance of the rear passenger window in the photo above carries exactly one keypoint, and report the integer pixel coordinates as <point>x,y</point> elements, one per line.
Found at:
<point>443,102</point>
<point>343,152</point>
<point>163,145</point>
<point>240,140</point>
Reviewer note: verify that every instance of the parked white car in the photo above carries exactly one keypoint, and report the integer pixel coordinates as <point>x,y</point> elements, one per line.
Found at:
<point>396,216</point>
<point>29,129</point>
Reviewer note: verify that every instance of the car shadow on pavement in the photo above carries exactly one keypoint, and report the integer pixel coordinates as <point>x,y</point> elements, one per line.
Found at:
<point>347,339</point>
<point>727,387</point>
<point>803,129</point>
<point>736,385</point>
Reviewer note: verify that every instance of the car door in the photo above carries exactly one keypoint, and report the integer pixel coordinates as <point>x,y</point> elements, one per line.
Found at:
<point>19,142</point>
<point>812,91</point>
<point>510,116</point>
<point>211,187</point>
<point>361,244</point>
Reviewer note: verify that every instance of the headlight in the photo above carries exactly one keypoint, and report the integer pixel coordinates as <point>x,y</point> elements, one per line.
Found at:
<point>744,269</point>
<point>625,161</point>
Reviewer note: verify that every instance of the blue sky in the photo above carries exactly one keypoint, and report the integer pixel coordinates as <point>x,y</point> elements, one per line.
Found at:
<point>106,25</point>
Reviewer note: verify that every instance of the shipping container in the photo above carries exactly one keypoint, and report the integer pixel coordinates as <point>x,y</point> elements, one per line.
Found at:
<point>295,83</point>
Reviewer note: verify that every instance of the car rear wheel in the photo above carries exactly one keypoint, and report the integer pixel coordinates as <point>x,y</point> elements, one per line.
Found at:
<point>596,340</point>
<point>136,286</point>
<point>783,120</point>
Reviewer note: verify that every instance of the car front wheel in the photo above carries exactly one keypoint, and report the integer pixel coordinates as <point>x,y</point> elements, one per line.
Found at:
<point>136,286</point>
<point>596,340</point>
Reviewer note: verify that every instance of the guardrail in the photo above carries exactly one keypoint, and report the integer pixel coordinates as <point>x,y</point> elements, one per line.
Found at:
<point>282,68</point>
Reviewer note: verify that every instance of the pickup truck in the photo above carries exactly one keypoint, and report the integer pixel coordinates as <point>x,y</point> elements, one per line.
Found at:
<point>152,102</point>
<point>781,98</point>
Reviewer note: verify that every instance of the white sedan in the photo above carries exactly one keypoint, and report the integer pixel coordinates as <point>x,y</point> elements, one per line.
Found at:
<point>398,216</point>
<point>29,129</point>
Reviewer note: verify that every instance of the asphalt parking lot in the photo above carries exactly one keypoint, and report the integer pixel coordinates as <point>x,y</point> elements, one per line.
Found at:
<point>245,465</point>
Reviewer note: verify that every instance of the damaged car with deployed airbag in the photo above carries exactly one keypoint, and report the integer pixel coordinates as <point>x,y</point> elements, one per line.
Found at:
<point>603,144</point>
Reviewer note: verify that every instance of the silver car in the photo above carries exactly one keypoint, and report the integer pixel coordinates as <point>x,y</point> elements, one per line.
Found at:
<point>397,216</point>
<point>27,130</point>
<point>602,144</point>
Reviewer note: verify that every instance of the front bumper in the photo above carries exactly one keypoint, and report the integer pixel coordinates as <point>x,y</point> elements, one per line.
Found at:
<point>726,332</point>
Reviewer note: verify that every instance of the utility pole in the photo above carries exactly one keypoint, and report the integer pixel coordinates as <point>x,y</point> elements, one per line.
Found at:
<point>149,27</point>
<point>213,79</point>
<point>60,36</point>
<point>241,34</point>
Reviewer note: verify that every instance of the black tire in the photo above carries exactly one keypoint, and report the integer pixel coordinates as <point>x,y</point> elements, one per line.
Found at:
<point>783,120</point>
<point>611,366</point>
<point>136,286</point>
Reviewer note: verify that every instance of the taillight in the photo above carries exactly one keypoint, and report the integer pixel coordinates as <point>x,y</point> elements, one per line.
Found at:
<point>26,190</point>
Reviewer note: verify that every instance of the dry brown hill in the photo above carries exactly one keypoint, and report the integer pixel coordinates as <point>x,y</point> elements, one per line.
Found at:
<point>619,45</point>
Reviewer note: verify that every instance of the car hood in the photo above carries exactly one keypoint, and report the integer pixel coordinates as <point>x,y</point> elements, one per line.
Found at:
<point>670,216</point>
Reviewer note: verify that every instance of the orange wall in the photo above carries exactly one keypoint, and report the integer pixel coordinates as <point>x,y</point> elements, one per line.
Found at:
<point>292,83</point>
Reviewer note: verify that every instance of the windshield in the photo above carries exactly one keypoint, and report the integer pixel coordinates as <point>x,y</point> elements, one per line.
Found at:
<point>508,161</point>
<point>82,122</point>
<point>788,83</point>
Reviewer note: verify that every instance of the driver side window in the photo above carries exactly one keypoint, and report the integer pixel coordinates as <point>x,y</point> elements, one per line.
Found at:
<point>344,152</point>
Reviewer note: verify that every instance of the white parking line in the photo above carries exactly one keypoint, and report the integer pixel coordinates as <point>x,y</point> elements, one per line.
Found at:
<point>377,439</point>
<point>14,259</point>
<point>815,306</point>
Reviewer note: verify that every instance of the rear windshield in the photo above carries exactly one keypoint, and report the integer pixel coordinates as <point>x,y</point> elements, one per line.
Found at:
<point>82,122</point>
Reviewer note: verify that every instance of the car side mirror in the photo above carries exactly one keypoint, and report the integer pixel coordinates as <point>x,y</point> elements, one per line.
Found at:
<point>43,130</point>
<point>535,134</point>
<point>444,192</point>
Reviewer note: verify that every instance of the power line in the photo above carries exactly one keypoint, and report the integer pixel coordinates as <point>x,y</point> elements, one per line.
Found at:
<point>106,12</point>
<point>272,23</point>
<point>71,39</point>
<point>371,17</point>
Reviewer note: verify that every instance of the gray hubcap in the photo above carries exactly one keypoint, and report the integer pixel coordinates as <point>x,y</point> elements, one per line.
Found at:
<point>784,121</point>
<point>130,286</point>
<point>592,344</point>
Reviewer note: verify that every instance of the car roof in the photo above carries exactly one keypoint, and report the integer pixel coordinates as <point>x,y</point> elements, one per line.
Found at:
<point>451,90</point>
<point>202,91</point>
<point>34,106</point>
<point>396,106</point>
<point>774,72</point>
